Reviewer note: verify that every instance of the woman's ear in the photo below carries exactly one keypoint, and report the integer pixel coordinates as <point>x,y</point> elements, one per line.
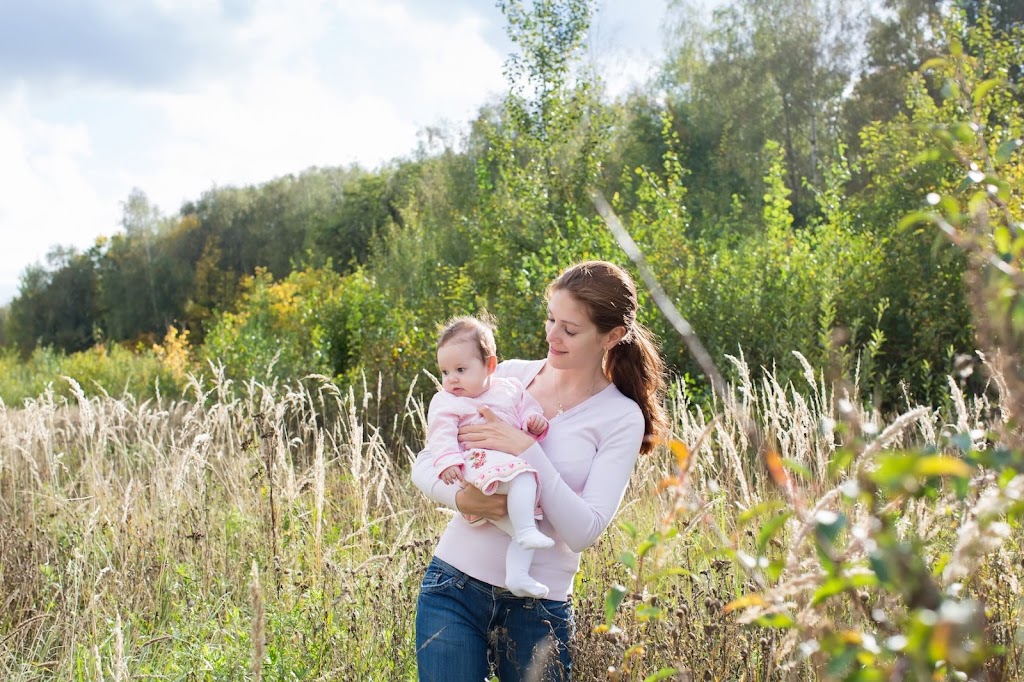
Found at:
<point>492,363</point>
<point>614,336</point>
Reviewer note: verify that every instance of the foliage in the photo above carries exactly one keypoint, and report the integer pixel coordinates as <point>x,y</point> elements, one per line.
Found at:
<point>763,294</point>
<point>133,525</point>
<point>143,274</point>
<point>770,215</point>
<point>278,330</point>
<point>56,306</point>
<point>885,564</point>
<point>101,370</point>
<point>534,156</point>
<point>759,71</point>
<point>896,44</point>
<point>929,320</point>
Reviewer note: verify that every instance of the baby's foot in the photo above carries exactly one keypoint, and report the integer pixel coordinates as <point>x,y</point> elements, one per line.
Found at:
<point>525,586</point>
<point>533,539</point>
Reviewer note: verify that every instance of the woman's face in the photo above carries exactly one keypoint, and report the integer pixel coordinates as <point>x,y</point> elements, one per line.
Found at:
<point>574,341</point>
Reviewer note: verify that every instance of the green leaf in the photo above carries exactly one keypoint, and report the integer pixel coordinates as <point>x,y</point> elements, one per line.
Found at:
<point>934,63</point>
<point>914,219</point>
<point>984,88</point>
<point>612,599</point>
<point>963,132</point>
<point>1005,477</point>
<point>880,567</point>
<point>629,559</point>
<point>842,459</point>
<point>841,663</point>
<point>1002,238</point>
<point>961,441</point>
<point>778,621</point>
<point>797,468</point>
<point>863,580</point>
<point>760,510</point>
<point>950,208</point>
<point>1005,151</point>
<point>977,202</point>
<point>648,612</point>
<point>663,674</point>
<point>893,470</point>
<point>769,529</point>
<point>828,526</point>
<point>830,588</point>
<point>774,569</point>
<point>672,571</point>
<point>930,155</point>
<point>941,465</point>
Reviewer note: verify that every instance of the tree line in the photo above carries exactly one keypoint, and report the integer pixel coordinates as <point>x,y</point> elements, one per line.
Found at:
<point>764,171</point>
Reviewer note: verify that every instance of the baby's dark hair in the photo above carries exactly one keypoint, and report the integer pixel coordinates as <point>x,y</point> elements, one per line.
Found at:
<point>477,330</point>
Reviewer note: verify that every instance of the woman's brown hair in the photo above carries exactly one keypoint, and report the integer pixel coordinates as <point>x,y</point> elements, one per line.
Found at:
<point>634,365</point>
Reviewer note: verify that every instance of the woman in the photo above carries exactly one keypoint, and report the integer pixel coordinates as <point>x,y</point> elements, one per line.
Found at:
<point>601,388</point>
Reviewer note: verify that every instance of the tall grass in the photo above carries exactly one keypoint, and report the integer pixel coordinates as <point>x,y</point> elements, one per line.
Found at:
<point>276,535</point>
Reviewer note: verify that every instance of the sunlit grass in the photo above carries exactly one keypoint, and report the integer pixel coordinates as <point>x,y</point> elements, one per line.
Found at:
<point>146,539</point>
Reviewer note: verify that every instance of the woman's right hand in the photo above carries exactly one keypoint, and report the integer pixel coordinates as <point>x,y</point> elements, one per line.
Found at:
<point>471,501</point>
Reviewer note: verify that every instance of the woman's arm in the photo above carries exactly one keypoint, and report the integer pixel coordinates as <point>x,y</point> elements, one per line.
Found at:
<point>424,477</point>
<point>467,500</point>
<point>580,518</point>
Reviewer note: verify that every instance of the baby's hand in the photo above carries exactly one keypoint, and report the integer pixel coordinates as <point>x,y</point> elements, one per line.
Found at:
<point>452,474</point>
<point>536,424</point>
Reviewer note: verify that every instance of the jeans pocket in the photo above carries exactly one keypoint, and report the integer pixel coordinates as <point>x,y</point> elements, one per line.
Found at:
<point>437,579</point>
<point>558,612</point>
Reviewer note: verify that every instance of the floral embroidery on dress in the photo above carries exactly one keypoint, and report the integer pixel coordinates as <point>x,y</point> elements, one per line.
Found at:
<point>478,458</point>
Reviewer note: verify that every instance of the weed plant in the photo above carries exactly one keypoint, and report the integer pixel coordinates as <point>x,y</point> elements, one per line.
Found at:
<point>276,535</point>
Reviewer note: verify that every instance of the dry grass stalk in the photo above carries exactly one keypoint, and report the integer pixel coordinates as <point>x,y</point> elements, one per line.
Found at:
<point>164,517</point>
<point>258,617</point>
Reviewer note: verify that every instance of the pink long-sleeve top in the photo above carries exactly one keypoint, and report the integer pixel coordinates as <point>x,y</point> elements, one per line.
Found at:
<point>508,400</point>
<point>583,464</point>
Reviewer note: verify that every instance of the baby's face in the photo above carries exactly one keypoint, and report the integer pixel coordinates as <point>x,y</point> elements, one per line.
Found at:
<point>463,372</point>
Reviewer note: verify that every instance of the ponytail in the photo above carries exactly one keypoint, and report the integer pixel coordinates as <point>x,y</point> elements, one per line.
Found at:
<point>635,366</point>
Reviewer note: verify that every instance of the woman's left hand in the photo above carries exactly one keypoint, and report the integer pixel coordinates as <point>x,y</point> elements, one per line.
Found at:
<point>495,434</point>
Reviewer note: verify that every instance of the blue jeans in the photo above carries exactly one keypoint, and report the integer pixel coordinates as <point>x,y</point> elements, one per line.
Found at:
<point>466,630</point>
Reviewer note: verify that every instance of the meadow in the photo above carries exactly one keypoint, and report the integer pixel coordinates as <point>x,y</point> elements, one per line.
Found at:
<point>270,531</point>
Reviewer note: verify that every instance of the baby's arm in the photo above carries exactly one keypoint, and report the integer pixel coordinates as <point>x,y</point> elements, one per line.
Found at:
<point>452,474</point>
<point>536,425</point>
<point>532,414</point>
<point>443,433</point>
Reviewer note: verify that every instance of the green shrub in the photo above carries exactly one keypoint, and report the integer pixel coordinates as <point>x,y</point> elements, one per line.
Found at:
<point>113,370</point>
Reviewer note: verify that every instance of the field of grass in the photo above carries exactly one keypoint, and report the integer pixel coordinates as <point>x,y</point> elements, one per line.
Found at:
<point>272,532</point>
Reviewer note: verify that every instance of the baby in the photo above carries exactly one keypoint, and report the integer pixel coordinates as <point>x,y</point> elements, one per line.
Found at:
<point>466,357</point>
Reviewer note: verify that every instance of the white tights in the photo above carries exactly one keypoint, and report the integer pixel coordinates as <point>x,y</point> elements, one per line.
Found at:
<point>521,526</point>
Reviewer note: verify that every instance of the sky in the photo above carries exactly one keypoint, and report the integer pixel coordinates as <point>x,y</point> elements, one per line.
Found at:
<point>176,97</point>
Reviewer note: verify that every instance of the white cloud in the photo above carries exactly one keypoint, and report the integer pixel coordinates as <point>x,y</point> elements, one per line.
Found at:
<point>48,198</point>
<point>251,90</point>
<point>299,103</point>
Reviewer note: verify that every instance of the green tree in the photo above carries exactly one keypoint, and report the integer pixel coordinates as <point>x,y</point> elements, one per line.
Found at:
<point>759,71</point>
<point>56,305</point>
<point>276,331</point>
<point>897,41</point>
<point>146,272</point>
